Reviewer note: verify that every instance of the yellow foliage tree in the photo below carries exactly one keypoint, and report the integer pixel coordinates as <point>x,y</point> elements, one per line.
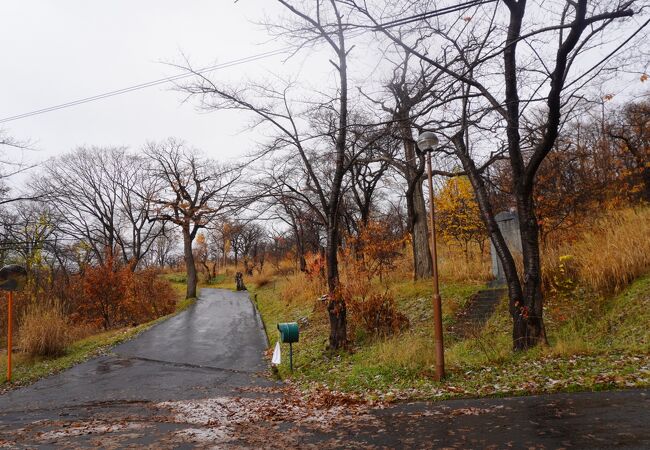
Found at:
<point>458,216</point>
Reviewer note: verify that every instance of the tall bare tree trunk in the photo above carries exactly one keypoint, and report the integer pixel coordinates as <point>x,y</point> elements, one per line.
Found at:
<point>299,235</point>
<point>336,305</point>
<point>302,262</point>
<point>529,329</point>
<point>190,266</point>
<point>336,308</point>
<point>417,224</point>
<point>416,208</point>
<point>526,305</point>
<point>515,293</point>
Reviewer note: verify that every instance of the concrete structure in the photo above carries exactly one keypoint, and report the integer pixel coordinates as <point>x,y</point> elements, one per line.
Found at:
<point>509,225</point>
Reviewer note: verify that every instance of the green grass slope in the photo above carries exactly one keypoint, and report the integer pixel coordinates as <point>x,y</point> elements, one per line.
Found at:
<point>595,343</point>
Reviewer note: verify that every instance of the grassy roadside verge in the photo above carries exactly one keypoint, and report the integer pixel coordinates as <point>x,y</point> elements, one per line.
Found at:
<point>343,370</point>
<point>27,370</point>
<point>596,343</point>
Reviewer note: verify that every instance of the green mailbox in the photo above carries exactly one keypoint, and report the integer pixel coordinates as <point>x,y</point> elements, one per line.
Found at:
<point>288,335</point>
<point>288,332</point>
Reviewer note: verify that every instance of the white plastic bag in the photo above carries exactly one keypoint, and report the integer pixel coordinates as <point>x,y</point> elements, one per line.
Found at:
<point>276,355</point>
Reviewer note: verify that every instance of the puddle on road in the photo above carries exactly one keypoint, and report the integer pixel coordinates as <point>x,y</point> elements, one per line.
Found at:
<point>114,364</point>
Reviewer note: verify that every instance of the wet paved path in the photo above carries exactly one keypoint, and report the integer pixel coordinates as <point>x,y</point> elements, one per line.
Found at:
<point>209,350</point>
<point>194,381</point>
<point>212,347</point>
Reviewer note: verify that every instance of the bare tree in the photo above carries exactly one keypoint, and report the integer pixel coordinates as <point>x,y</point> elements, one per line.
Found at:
<point>163,248</point>
<point>83,191</point>
<point>11,166</point>
<point>321,21</point>
<point>540,48</point>
<point>235,235</point>
<point>137,233</point>
<point>27,229</point>
<point>190,192</point>
<point>632,130</point>
<point>244,236</point>
<point>288,198</point>
<point>411,89</point>
<point>93,193</point>
<point>367,173</point>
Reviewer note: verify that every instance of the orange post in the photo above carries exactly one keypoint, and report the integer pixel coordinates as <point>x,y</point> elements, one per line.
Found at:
<point>9,320</point>
<point>437,301</point>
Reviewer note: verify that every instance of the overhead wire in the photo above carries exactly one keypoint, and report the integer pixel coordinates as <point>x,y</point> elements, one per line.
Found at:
<point>431,14</point>
<point>148,84</point>
<point>248,59</point>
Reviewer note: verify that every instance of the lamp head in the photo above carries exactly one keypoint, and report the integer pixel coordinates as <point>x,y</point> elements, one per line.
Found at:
<point>427,141</point>
<point>12,277</point>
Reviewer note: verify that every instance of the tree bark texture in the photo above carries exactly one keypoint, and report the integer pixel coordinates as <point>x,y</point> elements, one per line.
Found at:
<point>415,205</point>
<point>336,307</point>
<point>190,265</point>
<point>417,223</point>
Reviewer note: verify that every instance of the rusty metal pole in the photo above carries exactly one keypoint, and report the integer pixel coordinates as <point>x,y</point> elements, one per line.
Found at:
<point>10,296</point>
<point>437,301</point>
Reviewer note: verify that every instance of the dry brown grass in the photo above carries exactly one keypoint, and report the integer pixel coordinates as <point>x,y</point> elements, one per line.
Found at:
<point>302,289</point>
<point>285,267</point>
<point>44,330</point>
<point>614,252</point>
<point>83,330</point>
<point>455,266</point>
<point>261,279</point>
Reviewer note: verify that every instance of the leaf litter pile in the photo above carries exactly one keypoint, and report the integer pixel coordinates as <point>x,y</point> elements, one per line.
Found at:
<point>259,417</point>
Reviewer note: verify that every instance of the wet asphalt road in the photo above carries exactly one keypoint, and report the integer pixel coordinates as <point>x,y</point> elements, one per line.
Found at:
<point>214,346</point>
<point>214,351</point>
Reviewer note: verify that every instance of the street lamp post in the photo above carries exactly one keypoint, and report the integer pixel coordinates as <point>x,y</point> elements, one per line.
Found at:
<point>12,278</point>
<point>427,142</point>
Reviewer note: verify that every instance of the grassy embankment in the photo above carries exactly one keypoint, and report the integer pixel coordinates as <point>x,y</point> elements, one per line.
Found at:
<point>28,369</point>
<point>597,324</point>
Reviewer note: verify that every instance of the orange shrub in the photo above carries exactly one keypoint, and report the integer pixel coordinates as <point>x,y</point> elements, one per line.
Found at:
<point>112,295</point>
<point>377,314</point>
<point>374,250</point>
<point>150,296</point>
<point>261,279</point>
<point>103,290</point>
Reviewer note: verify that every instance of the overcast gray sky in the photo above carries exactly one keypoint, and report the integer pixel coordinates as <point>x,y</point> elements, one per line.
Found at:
<point>53,52</point>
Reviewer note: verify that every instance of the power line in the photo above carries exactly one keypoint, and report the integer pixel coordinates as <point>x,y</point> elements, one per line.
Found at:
<point>390,24</point>
<point>147,84</point>
<point>38,242</point>
<point>431,14</point>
